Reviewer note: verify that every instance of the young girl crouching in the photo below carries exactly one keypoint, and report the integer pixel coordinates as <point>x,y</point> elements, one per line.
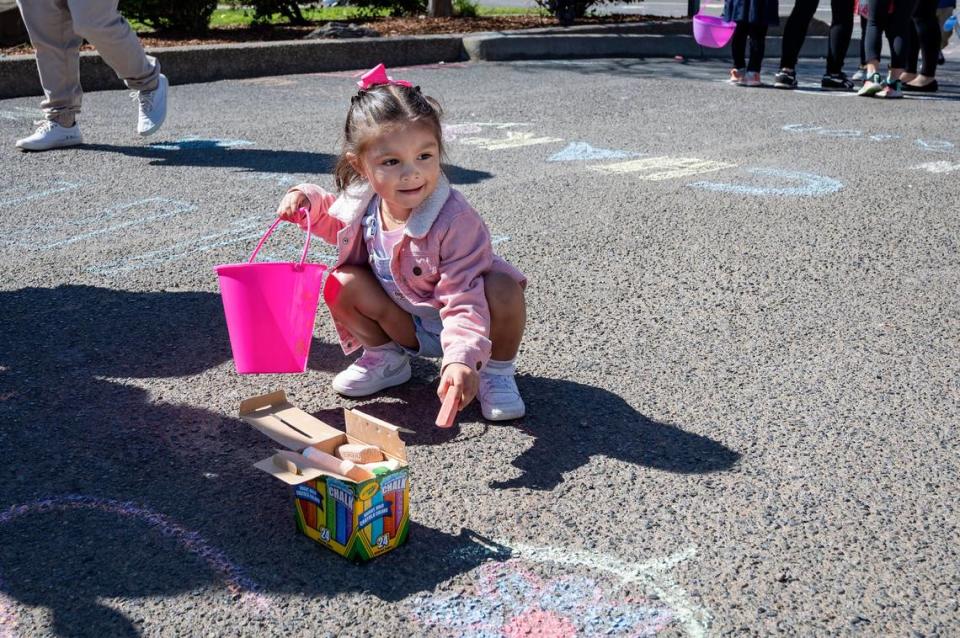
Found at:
<point>415,273</point>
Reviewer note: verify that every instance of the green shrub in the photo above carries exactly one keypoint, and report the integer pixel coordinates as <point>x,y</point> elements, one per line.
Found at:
<point>264,10</point>
<point>396,8</point>
<point>566,11</point>
<point>466,8</point>
<point>182,15</point>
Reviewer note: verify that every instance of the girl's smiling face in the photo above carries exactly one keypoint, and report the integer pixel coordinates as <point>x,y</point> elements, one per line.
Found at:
<point>402,165</point>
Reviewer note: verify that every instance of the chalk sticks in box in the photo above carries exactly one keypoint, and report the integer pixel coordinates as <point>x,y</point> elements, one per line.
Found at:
<point>358,510</point>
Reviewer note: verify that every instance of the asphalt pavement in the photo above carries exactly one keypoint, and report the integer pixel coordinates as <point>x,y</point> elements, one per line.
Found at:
<point>740,366</point>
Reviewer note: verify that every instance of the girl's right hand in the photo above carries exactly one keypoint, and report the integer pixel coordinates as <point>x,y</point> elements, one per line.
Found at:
<point>290,205</point>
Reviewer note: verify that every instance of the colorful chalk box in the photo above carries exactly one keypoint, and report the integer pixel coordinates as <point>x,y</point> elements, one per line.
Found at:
<point>357,519</point>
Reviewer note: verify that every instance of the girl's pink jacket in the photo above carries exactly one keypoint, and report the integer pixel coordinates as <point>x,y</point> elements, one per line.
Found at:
<point>440,262</point>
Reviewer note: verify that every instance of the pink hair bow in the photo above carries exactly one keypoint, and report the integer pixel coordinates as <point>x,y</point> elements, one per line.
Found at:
<point>376,76</point>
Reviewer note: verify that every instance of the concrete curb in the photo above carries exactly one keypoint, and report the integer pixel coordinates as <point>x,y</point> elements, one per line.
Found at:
<point>504,47</point>
<point>208,63</point>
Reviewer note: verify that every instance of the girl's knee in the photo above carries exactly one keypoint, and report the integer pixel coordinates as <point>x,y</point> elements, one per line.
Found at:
<point>503,292</point>
<point>344,283</point>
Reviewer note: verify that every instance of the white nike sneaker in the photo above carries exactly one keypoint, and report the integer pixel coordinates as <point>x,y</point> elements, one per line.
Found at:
<point>499,396</point>
<point>372,372</point>
<point>152,106</point>
<point>49,135</point>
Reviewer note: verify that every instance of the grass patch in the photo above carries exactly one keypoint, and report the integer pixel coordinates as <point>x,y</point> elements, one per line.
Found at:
<point>239,18</point>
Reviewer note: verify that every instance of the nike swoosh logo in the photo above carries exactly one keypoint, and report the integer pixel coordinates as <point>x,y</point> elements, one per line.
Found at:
<point>389,372</point>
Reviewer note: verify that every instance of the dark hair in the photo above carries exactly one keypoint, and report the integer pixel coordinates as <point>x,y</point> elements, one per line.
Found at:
<point>383,105</point>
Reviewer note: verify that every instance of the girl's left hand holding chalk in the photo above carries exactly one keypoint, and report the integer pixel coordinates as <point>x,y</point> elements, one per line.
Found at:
<point>462,377</point>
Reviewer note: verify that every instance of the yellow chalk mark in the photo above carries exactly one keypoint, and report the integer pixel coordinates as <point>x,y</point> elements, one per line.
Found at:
<point>514,139</point>
<point>656,169</point>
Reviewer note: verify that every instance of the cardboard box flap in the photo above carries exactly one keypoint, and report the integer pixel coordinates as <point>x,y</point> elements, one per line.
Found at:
<point>289,426</point>
<point>270,466</point>
<point>374,431</point>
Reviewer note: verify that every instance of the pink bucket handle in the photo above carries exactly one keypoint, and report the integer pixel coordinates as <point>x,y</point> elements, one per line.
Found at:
<point>306,245</point>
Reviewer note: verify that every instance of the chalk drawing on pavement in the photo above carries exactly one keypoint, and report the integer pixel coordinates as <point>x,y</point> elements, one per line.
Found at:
<point>521,593</point>
<point>14,195</point>
<point>583,152</point>
<point>280,179</point>
<point>453,131</point>
<point>499,239</point>
<point>196,143</point>
<point>21,113</point>
<point>656,169</point>
<point>810,185</point>
<point>8,613</point>
<point>246,229</point>
<point>941,166</point>
<point>937,146</point>
<point>514,139</point>
<point>109,220</point>
<point>233,576</point>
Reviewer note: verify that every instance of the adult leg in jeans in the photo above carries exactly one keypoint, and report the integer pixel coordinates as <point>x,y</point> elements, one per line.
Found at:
<point>795,31</point>
<point>841,30</point>
<point>758,40</point>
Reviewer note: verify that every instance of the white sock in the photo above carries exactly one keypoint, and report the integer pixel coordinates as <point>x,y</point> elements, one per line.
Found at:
<point>501,367</point>
<point>390,346</point>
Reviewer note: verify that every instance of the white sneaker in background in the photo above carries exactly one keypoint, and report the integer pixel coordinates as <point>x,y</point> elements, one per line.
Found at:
<point>50,135</point>
<point>372,372</point>
<point>152,107</point>
<point>499,396</point>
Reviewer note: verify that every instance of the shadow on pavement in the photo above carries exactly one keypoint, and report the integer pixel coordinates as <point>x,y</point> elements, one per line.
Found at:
<point>109,491</point>
<point>569,422</point>
<point>209,153</point>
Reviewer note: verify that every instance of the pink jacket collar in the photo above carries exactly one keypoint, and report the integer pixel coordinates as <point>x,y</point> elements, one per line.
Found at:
<point>352,204</point>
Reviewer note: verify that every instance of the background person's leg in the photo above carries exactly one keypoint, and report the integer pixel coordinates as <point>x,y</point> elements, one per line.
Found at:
<point>795,31</point>
<point>841,31</point>
<point>928,32</point>
<point>738,45</point>
<point>102,25</point>
<point>58,57</point>
<point>758,42</point>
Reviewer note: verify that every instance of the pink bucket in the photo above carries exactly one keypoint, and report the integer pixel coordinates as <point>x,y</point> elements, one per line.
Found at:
<point>270,310</point>
<point>711,31</point>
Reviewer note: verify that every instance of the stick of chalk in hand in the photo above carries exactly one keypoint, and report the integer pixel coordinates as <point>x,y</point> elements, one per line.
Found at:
<point>448,411</point>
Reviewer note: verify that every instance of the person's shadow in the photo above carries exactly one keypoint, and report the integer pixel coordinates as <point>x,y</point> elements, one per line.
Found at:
<point>239,154</point>
<point>570,422</point>
<point>112,491</point>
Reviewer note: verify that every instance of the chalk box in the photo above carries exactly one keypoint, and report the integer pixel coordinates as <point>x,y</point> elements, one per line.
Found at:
<point>357,520</point>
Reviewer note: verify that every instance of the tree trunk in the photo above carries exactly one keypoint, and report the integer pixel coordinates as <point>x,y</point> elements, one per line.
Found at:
<point>440,8</point>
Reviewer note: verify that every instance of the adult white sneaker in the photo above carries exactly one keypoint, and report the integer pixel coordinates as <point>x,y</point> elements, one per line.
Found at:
<point>499,396</point>
<point>372,372</point>
<point>50,134</point>
<point>152,106</point>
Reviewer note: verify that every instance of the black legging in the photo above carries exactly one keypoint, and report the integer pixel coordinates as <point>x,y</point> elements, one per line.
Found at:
<point>924,36</point>
<point>795,31</point>
<point>738,46</point>
<point>894,24</point>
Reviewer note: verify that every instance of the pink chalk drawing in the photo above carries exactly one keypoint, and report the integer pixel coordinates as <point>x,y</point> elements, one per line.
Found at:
<point>8,615</point>
<point>237,583</point>
<point>510,599</point>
